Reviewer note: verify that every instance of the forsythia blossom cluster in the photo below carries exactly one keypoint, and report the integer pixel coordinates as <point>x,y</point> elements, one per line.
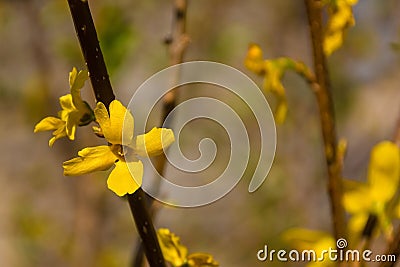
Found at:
<point>340,19</point>
<point>117,127</point>
<point>362,199</point>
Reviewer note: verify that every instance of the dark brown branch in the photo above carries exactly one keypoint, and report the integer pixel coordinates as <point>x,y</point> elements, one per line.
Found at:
<point>90,47</point>
<point>325,104</point>
<point>138,204</point>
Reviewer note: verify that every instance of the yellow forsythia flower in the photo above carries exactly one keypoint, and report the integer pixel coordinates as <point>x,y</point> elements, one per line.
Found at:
<point>273,71</point>
<point>75,112</point>
<point>317,241</point>
<point>117,126</point>
<point>340,18</point>
<point>177,254</point>
<point>372,197</point>
<point>172,249</point>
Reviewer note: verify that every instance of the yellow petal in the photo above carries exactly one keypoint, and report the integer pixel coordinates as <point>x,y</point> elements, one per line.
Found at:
<point>77,79</point>
<point>113,124</point>
<point>48,124</point>
<point>356,197</point>
<point>76,82</point>
<point>153,142</point>
<point>72,122</point>
<point>201,260</point>
<point>281,111</point>
<point>57,134</point>
<point>66,103</point>
<point>384,171</point>
<point>124,180</point>
<point>171,247</point>
<point>90,159</point>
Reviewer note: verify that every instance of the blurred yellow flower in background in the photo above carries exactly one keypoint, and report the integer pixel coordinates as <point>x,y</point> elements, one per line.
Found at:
<point>177,254</point>
<point>372,197</point>
<point>310,240</point>
<point>273,71</point>
<point>340,19</point>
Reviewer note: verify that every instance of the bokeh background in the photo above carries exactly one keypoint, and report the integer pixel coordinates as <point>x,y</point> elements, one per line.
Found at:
<point>47,219</point>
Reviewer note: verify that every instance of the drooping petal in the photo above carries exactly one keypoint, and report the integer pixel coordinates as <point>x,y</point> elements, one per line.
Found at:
<point>123,180</point>
<point>120,121</point>
<point>57,134</point>
<point>48,124</point>
<point>171,247</point>
<point>90,159</point>
<point>72,122</point>
<point>152,143</point>
<point>384,171</point>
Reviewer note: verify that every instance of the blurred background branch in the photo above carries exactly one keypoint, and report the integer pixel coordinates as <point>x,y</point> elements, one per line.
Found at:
<point>326,109</point>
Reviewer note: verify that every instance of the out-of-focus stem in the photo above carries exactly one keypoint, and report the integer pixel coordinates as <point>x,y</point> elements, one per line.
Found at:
<point>90,47</point>
<point>321,88</point>
<point>393,249</point>
<point>177,42</point>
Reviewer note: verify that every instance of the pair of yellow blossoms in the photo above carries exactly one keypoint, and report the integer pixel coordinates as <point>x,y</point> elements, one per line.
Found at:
<point>117,126</point>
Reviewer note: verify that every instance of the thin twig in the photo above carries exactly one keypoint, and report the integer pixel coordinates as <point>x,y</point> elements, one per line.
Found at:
<point>322,92</point>
<point>396,136</point>
<point>177,42</point>
<point>393,249</point>
<point>90,47</point>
